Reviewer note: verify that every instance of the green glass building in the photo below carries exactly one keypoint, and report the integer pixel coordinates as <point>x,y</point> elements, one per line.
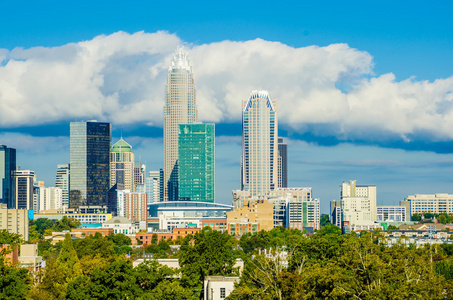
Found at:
<point>196,162</point>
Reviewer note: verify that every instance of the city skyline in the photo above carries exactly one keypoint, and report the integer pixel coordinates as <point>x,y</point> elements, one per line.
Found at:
<point>364,92</point>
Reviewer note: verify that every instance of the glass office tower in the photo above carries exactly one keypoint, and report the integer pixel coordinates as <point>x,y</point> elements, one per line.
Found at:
<point>196,162</point>
<point>89,159</point>
<point>259,144</point>
<point>7,169</point>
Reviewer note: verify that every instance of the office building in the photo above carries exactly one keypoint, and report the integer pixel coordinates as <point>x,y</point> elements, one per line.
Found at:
<point>358,206</point>
<point>335,213</point>
<point>433,203</point>
<point>62,182</point>
<point>122,162</point>
<point>292,207</point>
<point>259,144</point>
<point>139,174</point>
<point>255,215</point>
<point>179,108</point>
<point>282,163</point>
<point>24,189</point>
<point>14,220</point>
<point>196,164</point>
<point>89,159</point>
<point>391,213</point>
<point>153,185</point>
<point>7,169</point>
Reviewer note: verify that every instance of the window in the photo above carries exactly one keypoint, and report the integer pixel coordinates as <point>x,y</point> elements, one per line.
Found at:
<point>222,293</point>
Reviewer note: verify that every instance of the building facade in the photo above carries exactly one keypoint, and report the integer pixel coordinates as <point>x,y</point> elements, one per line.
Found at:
<point>391,214</point>
<point>122,163</point>
<point>282,163</point>
<point>14,220</point>
<point>62,182</point>
<point>24,189</point>
<point>50,198</point>
<point>358,206</point>
<point>89,159</point>
<point>135,206</point>
<point>259,170</point>
<point>433,203</point>
<point>196,163</point>
<point>153,186</point>
<point>253,216</point>
<point>179,108</point>
<point>7,169</point>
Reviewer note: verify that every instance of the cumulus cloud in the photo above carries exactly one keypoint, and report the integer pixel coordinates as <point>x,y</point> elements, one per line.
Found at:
<point>121,78</point>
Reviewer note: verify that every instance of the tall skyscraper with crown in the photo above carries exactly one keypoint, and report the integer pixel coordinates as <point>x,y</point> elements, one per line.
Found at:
<point>259,167</point>
<point>180,108</point>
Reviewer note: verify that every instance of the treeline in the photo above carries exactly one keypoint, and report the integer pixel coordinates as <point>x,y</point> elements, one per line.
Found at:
<point>279,264</point>
<point>99,267</point>
<point>443,218</point>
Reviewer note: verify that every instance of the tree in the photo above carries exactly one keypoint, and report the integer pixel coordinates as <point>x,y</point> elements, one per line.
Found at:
<point>95,245</point>
<point>150,273</point>
<point>15,282</point>
<point>325,219</point>
<point>167,290</point>
<point>66,224</point>
<point>68,261</point>
<point>9,238</point>
<point>207,253</point>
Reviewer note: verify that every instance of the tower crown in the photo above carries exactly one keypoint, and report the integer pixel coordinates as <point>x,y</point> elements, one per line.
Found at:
<point>259,94</point>
<point>180,60</point>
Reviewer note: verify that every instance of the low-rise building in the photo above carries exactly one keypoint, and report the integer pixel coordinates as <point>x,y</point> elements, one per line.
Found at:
<point>147,237</point>
<point>391,214</point>
<point>93,231</point>
<point>84,218</point>
<point>122,225</point>
<point>29,258</point>
<point>218,287</point>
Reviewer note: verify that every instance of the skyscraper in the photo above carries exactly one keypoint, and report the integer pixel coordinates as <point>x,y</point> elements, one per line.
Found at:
<point>259,144</point>
<point>7,168</point>
<point>196,162</point>
<point>122,163</point>
<point>62,181</point>
<point>180,108</point>
<point>24,189</point>
<point>89,158</point>
<point>282,164</point>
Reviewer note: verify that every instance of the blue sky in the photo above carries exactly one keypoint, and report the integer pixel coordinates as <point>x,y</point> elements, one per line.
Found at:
<point>364,88</point>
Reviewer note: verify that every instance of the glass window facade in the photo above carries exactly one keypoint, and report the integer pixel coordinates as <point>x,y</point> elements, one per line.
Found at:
<point>89,156</point>
<point>196,162</point>
<point>7,168</point>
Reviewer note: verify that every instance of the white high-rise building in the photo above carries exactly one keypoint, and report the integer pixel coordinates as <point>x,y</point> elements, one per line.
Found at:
<point>180,108</point>
<point>62,182</point>
<point>153,186</point>
<point>24,189</point>
<point>50,198</point>
<point>259,168</point>
<point>358,206</point>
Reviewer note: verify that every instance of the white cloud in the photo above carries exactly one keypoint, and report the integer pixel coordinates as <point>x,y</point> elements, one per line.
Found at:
<point>121,78</point>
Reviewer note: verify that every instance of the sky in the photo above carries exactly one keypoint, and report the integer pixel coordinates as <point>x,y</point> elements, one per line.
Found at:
<point>364,88</point>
